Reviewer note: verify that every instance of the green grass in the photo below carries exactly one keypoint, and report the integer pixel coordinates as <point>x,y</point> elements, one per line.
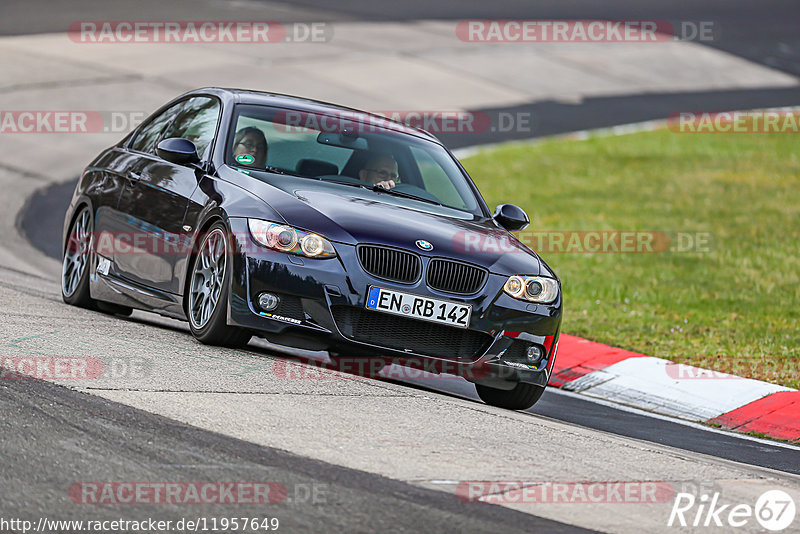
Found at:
<point>733,308</point>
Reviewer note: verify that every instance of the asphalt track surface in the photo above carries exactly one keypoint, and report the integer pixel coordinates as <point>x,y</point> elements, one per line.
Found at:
<point>766,32</point>
<point>319,497</point>
<point>41,224</point>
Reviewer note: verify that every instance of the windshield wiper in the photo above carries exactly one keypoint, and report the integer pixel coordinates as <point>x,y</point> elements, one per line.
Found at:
<point>379,189</point>
<point>278,170</point>
<point>342,182</point>
<point>273,170</point>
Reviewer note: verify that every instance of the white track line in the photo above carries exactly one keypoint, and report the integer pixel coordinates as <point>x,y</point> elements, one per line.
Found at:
<point>658,385</point>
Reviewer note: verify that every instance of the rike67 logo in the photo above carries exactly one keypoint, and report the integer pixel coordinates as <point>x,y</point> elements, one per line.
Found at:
<point>774,510</point>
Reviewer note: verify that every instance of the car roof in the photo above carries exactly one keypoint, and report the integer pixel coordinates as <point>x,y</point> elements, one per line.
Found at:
<point>246,96</point>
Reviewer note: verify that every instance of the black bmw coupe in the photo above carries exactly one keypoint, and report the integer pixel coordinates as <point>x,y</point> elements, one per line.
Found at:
<point>314,226</point>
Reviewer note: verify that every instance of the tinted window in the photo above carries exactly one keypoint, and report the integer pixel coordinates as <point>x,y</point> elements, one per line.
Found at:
<point>345,150</point>
<point>150,133</point>
<point>288,145</point>
<point>436,179</point>
<point>197,122</point>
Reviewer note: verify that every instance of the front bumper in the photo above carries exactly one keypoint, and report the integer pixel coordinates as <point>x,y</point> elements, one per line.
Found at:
<point>323,308</point>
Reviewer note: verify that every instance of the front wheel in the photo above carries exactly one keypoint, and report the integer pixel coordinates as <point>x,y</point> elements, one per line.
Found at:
<point>75,264</point>
<point>208,292</point>
<point>522,397</point>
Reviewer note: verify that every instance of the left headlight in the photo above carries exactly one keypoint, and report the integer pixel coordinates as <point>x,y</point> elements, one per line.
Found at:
<point>532,288</point>
<point>290,240</point>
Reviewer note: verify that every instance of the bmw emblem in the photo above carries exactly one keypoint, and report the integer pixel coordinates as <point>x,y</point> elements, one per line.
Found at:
<point>424,245</point>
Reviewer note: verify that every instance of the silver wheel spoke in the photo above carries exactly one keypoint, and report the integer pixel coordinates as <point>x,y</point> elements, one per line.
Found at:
<point>76,253</point>
<point>207,278</point>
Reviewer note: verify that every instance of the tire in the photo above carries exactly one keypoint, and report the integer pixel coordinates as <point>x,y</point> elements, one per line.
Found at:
<point>522,397</point>
<point>208,289</point>
<point>75,262</point>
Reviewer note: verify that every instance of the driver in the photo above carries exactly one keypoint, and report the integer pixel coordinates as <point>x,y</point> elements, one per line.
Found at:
<point>252,142</point>
<point>380,170</point>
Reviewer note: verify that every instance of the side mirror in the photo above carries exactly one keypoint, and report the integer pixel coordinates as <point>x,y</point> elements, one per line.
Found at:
<point>178,151</point>
<point>511,217</point>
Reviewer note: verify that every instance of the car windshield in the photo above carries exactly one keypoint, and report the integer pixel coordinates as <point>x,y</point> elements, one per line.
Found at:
<point>342,150</point>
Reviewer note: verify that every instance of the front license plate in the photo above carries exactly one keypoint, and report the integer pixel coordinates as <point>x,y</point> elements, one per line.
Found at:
<point>427,309</point>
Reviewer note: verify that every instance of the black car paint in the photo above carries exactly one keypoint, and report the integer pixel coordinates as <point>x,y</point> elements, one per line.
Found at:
<point>172,204</point>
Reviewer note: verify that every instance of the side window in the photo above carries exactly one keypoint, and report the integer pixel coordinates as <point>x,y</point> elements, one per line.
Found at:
<point>150,133</point>
<point>197,122</point>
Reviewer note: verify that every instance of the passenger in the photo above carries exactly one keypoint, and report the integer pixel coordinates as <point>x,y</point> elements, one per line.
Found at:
<point>251,141</point>
<point>380,170</point>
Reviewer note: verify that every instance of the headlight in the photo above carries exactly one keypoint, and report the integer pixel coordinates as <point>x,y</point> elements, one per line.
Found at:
<point>532,288</point>
<point>290,240</point>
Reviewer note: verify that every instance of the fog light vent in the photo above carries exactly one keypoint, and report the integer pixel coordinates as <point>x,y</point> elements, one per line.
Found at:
<point>524,352</point>
<point>268,301</point>
<point>533,353</point>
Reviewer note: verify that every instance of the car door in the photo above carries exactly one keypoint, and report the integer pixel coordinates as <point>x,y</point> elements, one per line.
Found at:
<point>156,198</point>
<point>117,228</point>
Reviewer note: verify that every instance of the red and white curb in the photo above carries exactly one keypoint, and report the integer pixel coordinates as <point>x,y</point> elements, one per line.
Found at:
<point>676,390</point>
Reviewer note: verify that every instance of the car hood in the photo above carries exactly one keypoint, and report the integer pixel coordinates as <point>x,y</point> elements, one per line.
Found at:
<point>354,216</point>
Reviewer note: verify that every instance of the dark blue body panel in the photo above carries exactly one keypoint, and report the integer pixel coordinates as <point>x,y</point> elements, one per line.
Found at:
<point>130,192</point>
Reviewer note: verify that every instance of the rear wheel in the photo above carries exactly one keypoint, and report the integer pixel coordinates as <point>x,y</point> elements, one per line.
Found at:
<point>208,291</point>
<point>75,264</point>
<point>522,397</point>
<point>75,268</point>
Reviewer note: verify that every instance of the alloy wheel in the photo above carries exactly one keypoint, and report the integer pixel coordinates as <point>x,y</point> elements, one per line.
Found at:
<point>207,278</point>
<point>76,255</point>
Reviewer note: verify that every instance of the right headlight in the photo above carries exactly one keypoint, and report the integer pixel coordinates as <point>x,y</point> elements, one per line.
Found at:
<point>291,240</point>
<point>532,288</point>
